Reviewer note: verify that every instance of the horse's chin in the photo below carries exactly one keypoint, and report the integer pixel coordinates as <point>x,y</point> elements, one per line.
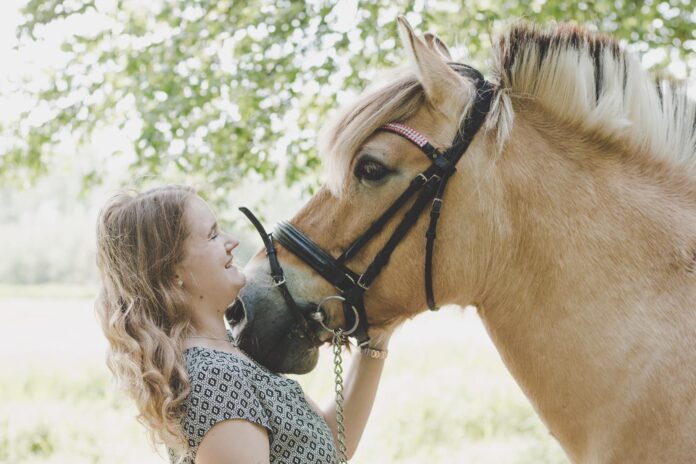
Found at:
<point>290,356</point>
<point>272,339</point>
<point>265,328</point>
<point>302,363</point>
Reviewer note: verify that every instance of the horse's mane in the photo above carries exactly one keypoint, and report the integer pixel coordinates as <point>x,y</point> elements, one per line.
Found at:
<point>587,78</point>
<point>581,77</point>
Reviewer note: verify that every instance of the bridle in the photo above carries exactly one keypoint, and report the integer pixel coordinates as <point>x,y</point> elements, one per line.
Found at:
<point>428,187</point>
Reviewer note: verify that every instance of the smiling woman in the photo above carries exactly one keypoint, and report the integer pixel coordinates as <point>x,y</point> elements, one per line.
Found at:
<point>207,252</point>
<point>168,275</point>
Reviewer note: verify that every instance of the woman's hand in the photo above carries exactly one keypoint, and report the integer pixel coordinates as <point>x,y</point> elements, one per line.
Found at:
<point>380,336</point>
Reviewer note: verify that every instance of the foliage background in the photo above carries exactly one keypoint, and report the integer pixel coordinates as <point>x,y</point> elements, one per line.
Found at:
<point>220,89</point>
<point>228,95</point>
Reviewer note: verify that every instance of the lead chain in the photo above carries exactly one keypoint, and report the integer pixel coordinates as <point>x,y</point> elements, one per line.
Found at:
<point>337,344</point>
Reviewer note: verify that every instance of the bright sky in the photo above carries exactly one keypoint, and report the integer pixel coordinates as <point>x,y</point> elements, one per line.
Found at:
<point>9,17</point>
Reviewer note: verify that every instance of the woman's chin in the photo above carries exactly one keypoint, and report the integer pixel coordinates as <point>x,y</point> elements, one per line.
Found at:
<point>237,278</point>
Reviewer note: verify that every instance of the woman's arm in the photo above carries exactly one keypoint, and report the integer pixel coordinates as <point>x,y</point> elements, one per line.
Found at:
<point>234,441</point>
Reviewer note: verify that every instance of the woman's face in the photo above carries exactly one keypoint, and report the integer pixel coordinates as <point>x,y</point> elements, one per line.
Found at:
<point>207,270</point>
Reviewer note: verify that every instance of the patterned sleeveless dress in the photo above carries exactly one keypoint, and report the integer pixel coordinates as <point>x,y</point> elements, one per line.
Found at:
<point>226,386</point>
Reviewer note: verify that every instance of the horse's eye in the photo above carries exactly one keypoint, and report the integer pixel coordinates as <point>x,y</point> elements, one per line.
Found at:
<point>370,170</point>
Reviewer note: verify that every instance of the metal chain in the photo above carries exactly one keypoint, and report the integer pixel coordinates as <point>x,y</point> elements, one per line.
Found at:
<point>337,345</point>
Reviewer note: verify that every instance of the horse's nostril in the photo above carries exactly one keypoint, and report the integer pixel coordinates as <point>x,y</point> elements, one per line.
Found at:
<point>235,312</point>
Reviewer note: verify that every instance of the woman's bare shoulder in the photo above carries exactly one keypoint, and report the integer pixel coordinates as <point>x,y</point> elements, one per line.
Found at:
<point>234,440</point>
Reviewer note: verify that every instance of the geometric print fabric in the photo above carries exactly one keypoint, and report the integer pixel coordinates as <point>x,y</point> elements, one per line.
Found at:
<point>226,386</point>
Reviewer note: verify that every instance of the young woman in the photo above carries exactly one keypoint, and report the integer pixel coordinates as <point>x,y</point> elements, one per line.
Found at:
<point>168,274</point>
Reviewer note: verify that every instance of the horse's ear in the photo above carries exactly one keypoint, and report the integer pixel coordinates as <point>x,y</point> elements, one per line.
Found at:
<point>438,79</point>
<point>437,45</point>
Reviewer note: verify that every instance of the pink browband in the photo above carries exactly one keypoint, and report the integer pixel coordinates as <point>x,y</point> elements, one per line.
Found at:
<point>412,135</point>
<point>408,132</point>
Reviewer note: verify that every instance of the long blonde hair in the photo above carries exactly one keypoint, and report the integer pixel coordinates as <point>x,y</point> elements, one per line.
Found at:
<point>140,238</point>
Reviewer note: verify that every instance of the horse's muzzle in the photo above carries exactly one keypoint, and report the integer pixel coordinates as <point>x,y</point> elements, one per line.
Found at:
<point>269,334</point>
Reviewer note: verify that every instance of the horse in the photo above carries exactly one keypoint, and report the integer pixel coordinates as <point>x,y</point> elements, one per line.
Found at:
<point>570,224</point>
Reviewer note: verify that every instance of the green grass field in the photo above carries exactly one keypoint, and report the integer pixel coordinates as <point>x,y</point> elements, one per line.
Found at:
<point>445,398</point>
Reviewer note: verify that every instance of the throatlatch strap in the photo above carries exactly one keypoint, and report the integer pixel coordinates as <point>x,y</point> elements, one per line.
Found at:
<point>430,243</point>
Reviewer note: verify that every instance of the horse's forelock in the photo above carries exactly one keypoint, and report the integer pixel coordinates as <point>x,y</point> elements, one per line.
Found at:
<point>341,138</point>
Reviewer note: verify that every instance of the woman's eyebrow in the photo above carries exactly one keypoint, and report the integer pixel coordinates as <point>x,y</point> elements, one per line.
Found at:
<point>210,232</point>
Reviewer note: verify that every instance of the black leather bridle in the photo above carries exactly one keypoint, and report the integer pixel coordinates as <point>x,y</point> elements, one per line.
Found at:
<point>429,186</point>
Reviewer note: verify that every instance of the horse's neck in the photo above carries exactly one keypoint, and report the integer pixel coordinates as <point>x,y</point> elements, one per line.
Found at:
<point>592,309</point>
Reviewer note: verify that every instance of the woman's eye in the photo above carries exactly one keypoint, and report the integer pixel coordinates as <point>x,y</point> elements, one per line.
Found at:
<point>213,237</point>
<point>370,170</point>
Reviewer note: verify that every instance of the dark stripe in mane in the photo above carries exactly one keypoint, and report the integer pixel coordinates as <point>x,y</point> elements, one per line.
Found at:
<point>584,77</point>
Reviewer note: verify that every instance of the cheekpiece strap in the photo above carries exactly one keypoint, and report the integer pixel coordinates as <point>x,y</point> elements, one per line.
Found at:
<point>413,136</point>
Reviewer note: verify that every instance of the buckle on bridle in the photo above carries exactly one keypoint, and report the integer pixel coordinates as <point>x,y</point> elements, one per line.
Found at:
<point>277,282</point>
<point>361,284</point>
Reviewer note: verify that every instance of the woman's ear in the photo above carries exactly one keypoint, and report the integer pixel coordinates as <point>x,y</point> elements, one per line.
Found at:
<point>177,278</point>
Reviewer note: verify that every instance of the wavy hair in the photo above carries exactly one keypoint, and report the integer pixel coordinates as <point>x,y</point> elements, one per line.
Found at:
<point>140,238</point>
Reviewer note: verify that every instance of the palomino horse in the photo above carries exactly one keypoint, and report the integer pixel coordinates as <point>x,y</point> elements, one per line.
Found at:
<point>570,224</point>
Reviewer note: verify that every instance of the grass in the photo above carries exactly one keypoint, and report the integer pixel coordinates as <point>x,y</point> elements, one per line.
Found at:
<point>445,395</point>
<point>47,291</point>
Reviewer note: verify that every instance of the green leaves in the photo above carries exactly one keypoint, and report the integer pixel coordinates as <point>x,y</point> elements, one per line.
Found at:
<point>220,89</point>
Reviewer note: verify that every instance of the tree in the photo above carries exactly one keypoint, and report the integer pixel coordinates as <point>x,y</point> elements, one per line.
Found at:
<point>220,88</point>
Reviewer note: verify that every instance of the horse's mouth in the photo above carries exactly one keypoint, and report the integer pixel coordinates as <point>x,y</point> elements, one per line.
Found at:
<point>235,315</point>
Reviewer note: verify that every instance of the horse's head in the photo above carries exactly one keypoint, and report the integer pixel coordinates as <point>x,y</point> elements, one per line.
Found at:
<point>367,170</point>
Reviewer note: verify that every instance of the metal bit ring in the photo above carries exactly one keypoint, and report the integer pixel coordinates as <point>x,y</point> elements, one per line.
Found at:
<point>319,317</point>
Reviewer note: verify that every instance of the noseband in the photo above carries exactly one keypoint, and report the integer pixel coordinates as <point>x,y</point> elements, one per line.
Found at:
<point>429,186</point>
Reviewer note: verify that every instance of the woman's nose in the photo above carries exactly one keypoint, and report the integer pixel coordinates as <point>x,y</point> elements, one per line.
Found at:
<point>232,244</point>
